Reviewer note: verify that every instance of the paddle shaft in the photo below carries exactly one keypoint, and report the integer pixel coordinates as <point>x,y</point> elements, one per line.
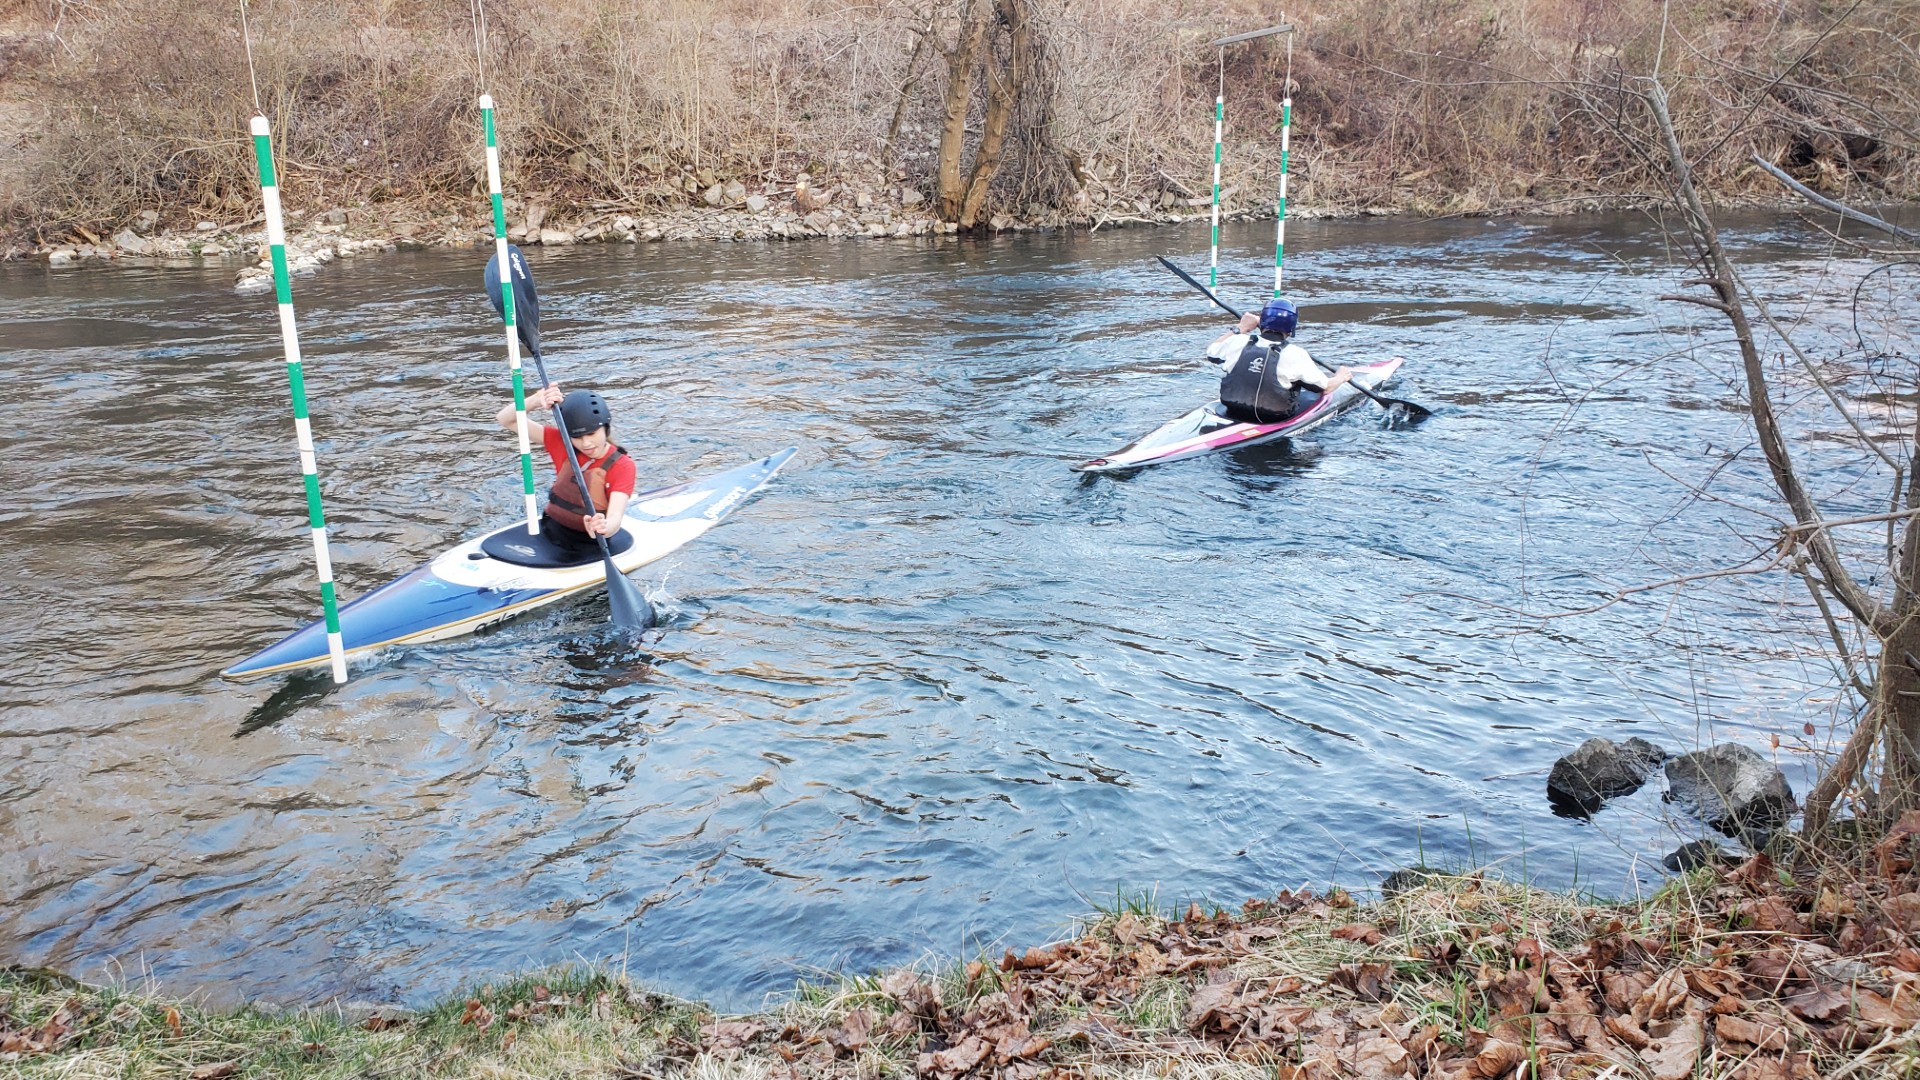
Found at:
<point>1223,306</point>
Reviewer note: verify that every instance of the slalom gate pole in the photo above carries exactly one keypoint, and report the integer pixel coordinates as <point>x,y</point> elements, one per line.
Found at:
<point>506,315</point>
<point>1280,207</point>
<point>297,384</point>
<point>1219,122</point>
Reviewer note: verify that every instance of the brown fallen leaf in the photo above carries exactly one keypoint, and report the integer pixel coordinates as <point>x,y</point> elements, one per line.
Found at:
<point>1368,981</point>
<point>854,1033</point>
<point>730,1034</point>
<point>376,1022</point>
<point>506,1041</point>
<point>1377,1058</point>
<point>1675,1055</point>
<point>173,1021</point>
<point>1753,1033</point>
<point>1360,932</point>
<point>1817,1003</point>
<point>1498,1059</point>
<point>219,1070</point>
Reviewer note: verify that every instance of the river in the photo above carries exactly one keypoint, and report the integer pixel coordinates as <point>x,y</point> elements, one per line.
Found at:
<point>928,694</point>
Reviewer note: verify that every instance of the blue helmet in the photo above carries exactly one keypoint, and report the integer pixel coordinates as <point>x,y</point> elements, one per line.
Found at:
<point>1279,318</point>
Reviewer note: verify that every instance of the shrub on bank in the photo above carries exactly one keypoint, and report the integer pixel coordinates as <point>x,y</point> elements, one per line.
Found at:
<point>126,106</point>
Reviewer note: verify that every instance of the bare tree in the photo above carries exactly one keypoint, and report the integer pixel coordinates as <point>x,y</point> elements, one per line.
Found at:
<point>1889,615</point>
<point>996,36</point>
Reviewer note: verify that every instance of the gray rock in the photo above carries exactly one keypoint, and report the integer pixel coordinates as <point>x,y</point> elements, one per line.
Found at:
<point>60,257</point>
<point>910,197</point>
<point>148,219</point>
<point>205,226</point>
<point>735,191</point>
<point>1731,788</point>
<point>335,216</point>
<point>131,243</point>
<point>1600,769</point>
<point>715,195</point>
<point>555,238</point>
<point>756,203</point>
<point>1695,855</point>
<point>1409,878</point>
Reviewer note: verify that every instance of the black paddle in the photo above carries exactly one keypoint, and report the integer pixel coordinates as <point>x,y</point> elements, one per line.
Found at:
<point>630,609</point>
<point>1417,411</point>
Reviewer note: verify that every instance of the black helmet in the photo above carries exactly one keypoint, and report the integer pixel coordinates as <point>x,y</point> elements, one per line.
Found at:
<point>585,412</point>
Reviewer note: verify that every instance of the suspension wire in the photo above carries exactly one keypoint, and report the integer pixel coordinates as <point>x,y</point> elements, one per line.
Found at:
<point>480,40</point>
<point>246,38</point>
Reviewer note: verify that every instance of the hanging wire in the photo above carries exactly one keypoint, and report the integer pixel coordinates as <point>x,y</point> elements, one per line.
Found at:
<point>246,38</point>
<point>480,39</point>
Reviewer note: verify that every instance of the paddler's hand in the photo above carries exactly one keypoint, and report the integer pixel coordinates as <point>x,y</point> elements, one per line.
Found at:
<point>597,526</point>
<point>1340,374</point>
<point>546,397</point>
<point>1249,322</point>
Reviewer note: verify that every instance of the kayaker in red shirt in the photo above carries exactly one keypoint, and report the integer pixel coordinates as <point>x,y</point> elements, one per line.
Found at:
<point>572,521</point>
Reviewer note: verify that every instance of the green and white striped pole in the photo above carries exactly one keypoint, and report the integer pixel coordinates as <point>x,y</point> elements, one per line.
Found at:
<point>506,314</point>
<point>296,381</point>
<point>1219,123</point>
<point>1280,207</point>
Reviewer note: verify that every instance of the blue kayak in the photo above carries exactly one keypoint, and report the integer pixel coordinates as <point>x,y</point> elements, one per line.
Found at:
<point>507,572</point>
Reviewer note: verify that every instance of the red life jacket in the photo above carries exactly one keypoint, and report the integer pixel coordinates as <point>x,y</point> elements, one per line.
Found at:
<point>564,503</point>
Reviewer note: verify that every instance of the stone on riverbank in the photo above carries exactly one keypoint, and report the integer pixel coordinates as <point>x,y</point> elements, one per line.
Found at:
<point>1598,770</point>
<point>1731,788</point>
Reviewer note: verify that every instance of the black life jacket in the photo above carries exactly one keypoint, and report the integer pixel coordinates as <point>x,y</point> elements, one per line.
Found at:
<point>1252,392</point>
<point>564,502</point>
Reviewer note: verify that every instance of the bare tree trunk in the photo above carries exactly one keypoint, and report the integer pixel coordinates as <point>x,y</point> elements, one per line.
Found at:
<point>1003,95</point>
<point>953,133</point>
<point>1896,701</point>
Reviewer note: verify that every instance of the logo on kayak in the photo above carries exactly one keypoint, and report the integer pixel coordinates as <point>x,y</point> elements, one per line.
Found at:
<point>719,509</point>
<point>522,549</point>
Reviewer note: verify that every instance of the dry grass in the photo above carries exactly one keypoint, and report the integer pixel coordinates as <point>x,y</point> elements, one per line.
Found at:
<point>1752,974</point>
<point>1439,106</point>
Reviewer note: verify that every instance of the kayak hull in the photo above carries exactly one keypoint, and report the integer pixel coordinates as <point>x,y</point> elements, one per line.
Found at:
<point>466,589</point>
<point>1206,430</point>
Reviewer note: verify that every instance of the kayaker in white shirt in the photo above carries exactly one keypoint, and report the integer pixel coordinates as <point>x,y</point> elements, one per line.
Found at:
<point>1264,377</point>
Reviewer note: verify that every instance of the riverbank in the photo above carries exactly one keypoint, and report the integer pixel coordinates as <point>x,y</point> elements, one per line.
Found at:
<point>690,111</point>
<point>839,212</point>
<point>1761,971</point>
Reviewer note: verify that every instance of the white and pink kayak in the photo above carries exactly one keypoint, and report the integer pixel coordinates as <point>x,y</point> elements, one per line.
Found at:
<point>1206,430</point>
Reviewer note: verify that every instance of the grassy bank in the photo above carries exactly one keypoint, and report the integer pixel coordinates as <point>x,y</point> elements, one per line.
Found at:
<point>116,108</point>
<point>1757,972</point>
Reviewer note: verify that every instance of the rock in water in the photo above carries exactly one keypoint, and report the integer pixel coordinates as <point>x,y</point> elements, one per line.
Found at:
<point>1731,788</point>
<point>1693,856</point>
<point>1600,769</point>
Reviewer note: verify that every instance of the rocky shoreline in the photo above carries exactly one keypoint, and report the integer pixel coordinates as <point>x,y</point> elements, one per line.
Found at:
<point>718,210</point>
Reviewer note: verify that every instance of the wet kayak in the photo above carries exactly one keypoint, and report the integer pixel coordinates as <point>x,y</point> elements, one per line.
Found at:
<point>1206,430</point>
<point>507,572</point>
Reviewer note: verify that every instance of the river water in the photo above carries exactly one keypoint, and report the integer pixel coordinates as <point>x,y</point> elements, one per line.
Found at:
<point>930,692</point>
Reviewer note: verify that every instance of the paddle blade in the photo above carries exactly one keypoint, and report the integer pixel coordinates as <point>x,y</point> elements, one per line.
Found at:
<point>630,609</point>
<point>526,300</point>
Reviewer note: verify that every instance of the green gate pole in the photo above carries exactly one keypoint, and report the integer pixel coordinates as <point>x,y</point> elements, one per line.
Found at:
<point>1280,207</point>
<point>1219,119</point>
<point>296,382</point>
<point>506,313</point>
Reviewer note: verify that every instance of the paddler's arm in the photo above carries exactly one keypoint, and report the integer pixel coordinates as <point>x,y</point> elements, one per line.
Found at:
<point>544,398</point>
<point>609,523</point>
<point>1248,322</point>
